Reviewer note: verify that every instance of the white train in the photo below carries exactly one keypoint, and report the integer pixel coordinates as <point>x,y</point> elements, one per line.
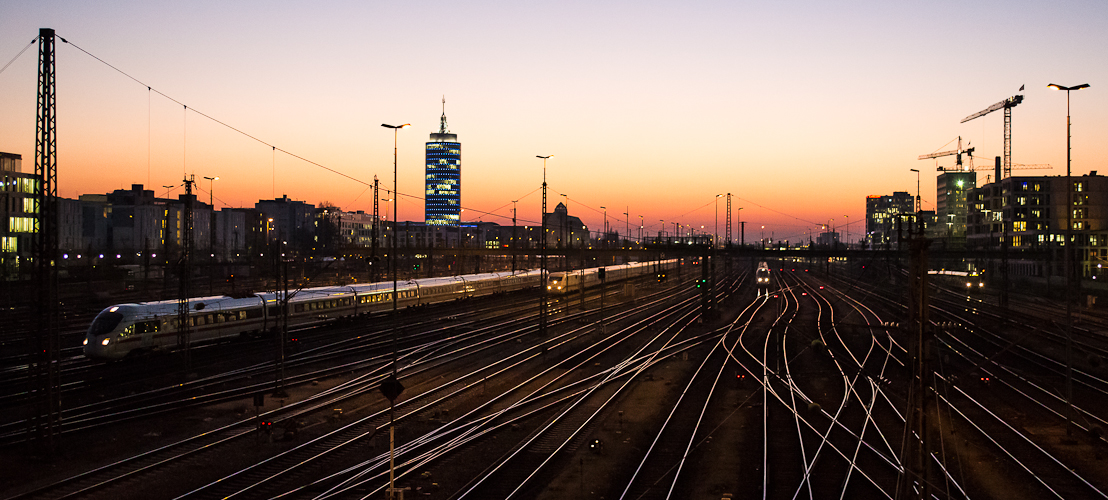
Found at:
<point>125,329</point>
<point>561,283</point>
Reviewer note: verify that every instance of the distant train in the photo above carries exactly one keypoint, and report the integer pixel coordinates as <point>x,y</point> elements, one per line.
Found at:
<point>968,281</point>
<point>561,283</point>
<point>762,278</point>
<point>126,329</point>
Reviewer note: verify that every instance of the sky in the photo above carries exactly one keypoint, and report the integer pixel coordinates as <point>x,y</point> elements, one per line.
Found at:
<point>798,109</point>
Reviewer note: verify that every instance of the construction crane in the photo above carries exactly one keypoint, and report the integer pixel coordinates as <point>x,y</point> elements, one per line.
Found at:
<point>958,158</point>
<point>1007,106</point>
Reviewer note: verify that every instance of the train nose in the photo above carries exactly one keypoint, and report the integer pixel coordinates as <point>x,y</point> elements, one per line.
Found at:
<point>96,348</point>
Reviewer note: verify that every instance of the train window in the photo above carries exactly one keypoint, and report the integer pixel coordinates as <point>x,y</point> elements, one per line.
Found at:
<point>127,331</point>
<point>219,318</point>
<point>251,313</point>
<point>298,308</point>
<point>147,327</point>
<point>104,323</point>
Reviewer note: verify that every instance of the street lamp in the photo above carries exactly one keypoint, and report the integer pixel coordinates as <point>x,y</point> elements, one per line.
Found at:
<point>564,223</point>
<point>211,190</point>
<point>605,233</point>
<point>395,319</point>
<point>542,262</point>
<point>211,231</point>
<point>919,204</point>
<point>1069,258</point>
<point>715,236</point>
<point>742,229</point>
<point>847,226</point>
<point>641,226</point>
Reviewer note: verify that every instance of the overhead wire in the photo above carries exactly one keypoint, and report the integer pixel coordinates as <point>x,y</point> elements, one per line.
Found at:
<point>205,115</point>
<point>273,147</point>
<point>17,55</point>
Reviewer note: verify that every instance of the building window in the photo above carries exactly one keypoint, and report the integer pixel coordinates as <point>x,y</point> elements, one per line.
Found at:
<point>21,224</point>
<point>9,244</point>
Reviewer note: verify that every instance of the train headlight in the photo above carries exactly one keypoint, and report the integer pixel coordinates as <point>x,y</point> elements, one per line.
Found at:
<point>85,342</point>
<point>969,284</point>
<point>982,284</point>
<point>104,342</point>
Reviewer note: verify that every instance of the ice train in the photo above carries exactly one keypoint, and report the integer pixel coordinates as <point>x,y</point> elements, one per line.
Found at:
<point>127,329</point>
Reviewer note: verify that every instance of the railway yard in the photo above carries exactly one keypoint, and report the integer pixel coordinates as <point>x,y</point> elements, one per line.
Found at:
<point>632,392</point>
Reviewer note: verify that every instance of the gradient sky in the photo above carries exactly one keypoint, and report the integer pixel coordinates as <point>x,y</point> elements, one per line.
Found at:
<point>799,109</point>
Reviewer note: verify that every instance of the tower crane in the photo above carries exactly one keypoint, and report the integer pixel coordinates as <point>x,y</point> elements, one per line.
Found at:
<point>958,157</point>
<point>1007,106</point>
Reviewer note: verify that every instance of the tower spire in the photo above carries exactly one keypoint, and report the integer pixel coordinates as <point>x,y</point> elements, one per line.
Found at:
<point>443,129</point>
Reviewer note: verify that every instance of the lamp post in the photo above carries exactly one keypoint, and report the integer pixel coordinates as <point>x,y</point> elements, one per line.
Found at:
<point>627,226</point>
<point>847,226</point>
<point>919,204</point>
<point>542,262</point>
<point>605,233</point>
<point>515,244</point>
<point>742,228</point>
<point>395,319</point>
<point>641,226</point>
<point>211,230</point>
<point>564,223</point>
<point>1068,260</point>
<point>715,236</point>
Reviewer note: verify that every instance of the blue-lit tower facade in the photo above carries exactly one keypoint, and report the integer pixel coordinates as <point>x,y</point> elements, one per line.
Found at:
<point>443,195</point>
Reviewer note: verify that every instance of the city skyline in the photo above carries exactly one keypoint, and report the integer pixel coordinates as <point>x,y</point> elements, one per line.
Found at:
<point>658,108</point>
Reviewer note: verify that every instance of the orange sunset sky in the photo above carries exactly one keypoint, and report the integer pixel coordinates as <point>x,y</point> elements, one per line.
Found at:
<point>799,109</point>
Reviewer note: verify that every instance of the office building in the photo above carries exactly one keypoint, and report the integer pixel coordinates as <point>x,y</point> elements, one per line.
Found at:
<point>952,207</point>
<point>443,194</point>
<point>885,215</point>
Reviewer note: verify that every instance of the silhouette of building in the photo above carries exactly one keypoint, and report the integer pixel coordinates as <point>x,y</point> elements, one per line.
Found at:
<point>885,214</point>
<point>1030,213</point>
<point>443,195</point>
<point>564,230</point>
<point>293,222</point>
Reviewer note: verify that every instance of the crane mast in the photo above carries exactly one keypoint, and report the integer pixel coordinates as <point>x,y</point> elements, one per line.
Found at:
<point>1007,106</point>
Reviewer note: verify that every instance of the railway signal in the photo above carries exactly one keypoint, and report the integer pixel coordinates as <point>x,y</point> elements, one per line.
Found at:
<point>391,388</point>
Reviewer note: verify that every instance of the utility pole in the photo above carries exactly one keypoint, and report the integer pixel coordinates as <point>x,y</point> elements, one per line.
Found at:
<point>184,276</point>
<point>728,219</point>
<point>376,227</point>
<point>515,239</point>
<point>45,376</point>
<point>283,269</point>
<point>917,478</point>
<point>542,262</point>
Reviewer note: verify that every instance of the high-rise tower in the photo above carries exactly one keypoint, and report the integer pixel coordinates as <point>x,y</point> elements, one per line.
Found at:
<point>443,196</point>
